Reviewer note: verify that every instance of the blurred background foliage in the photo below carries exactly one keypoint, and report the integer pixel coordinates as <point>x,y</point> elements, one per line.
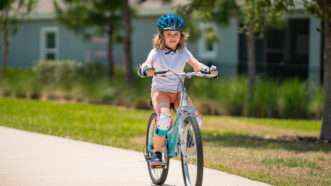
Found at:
<point>77,82</point>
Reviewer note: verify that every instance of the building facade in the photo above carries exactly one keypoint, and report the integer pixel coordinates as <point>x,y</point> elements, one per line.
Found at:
<point>292,51</point>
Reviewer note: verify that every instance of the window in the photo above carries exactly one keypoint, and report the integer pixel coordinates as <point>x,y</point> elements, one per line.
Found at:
<point>49,47</point>
<point>287,49</point>
<point>207,44</point>
<point>282,52</point>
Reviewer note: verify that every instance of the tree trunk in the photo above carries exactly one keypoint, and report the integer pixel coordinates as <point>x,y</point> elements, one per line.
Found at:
<point>127,43</point>
<point>250,41</point>
<point>326,122</point>
<point>111,64</point>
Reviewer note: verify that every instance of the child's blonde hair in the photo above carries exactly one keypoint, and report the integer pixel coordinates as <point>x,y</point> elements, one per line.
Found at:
<point>159,43</point>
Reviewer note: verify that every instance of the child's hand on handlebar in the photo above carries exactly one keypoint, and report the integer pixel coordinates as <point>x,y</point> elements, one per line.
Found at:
<point>150,72</point>
<point>213,71</point>
<point>145,71</point>
<point>210,70</point>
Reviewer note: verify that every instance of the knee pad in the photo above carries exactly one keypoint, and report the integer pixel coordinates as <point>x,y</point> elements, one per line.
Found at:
<point>163,123</point>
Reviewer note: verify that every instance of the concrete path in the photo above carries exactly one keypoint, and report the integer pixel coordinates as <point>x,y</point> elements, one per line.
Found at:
<point>31,159</point>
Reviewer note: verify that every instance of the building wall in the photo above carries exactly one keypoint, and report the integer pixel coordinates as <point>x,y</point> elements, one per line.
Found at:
<point>26,42</point>
<point>72,45</point>
<point>228,50</point>
<point>144,29</point>
<point>25,45</point>
<point>314,51</point>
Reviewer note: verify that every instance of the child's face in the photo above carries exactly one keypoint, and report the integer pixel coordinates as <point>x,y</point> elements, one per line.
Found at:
<point>171,38</point>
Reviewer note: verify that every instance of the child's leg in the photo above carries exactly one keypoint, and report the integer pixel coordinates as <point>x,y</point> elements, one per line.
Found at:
<point>159,139</point>
<point>161,104</point>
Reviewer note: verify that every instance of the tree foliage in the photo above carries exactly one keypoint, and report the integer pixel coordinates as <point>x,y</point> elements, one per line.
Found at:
<point>90,17</point>
<point>95,17</point>
<point>256,14</point>
<point>11,11</point>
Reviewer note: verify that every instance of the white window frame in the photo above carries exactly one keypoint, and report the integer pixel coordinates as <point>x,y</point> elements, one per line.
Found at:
<point>203,52</point>
<point>43,35</point>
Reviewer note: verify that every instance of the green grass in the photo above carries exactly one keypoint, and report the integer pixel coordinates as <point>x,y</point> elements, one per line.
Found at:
<point>290,162</point>
<point>295,124</point>
<point>98,124</point>
<point>249,147</point>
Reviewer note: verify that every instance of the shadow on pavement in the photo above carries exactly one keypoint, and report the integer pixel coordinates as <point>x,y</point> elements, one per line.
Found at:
<point>291,143</point>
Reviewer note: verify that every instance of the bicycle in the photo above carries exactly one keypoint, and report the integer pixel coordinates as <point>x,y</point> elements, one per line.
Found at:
<point>183,138</point>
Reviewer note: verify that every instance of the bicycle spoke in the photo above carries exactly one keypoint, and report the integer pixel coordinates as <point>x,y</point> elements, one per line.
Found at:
<point>192,164</point>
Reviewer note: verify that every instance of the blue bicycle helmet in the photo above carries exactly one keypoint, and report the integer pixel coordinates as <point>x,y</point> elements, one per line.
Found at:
<point>170,22</point>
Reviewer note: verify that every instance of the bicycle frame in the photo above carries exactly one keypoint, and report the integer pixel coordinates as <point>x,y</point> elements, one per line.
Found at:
<point>183,111</point>
<point>178,137</point>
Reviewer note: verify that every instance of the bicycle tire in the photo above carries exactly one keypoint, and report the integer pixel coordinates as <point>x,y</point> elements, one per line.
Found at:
<point>157,180</point>
<point>192,123</point>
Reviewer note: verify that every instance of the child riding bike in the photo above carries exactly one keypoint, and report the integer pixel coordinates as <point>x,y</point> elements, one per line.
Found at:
<point>169,53</point>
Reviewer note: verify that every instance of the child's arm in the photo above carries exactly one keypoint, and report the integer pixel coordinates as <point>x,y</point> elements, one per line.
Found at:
<point>197,66</point>
<point>146,69</point>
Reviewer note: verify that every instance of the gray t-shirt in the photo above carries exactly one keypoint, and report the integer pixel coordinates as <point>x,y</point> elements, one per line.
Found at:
<point>163,60</point>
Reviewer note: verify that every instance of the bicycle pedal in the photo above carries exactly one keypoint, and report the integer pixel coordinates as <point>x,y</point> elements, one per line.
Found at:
<point>162,165</point>
<point>157,166</point>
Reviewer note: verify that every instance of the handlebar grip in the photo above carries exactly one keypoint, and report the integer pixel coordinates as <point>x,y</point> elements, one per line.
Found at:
<point>161,72</point>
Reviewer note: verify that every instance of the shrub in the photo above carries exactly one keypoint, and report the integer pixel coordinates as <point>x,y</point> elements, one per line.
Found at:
<point>234,94</point>
<point>203,88</point>
<point>210,107</point>
<point>316,103</point>
<point>264,103</point>
<point>61,74</point>
<point>70,80</point>
<point>142,103</point>
<point>93,71</point>
<point>18,82</point>
<point>293,99</point>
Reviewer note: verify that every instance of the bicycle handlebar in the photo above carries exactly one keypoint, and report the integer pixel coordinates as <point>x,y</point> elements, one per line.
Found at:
<point>167,73</point>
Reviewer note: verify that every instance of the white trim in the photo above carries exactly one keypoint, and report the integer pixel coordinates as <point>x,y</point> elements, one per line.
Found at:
<point>314,49</point>
<point>43,49</point>
<point>203,52</point>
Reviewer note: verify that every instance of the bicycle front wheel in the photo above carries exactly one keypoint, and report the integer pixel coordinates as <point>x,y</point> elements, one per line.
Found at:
<point>158,175</point>
<point>191,153</point>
